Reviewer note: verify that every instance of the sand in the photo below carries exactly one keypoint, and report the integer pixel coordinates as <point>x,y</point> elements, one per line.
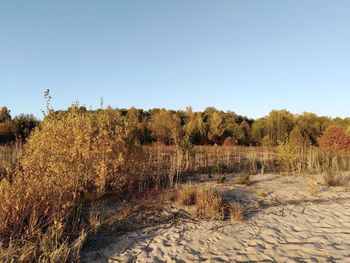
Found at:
<point>287,225</point>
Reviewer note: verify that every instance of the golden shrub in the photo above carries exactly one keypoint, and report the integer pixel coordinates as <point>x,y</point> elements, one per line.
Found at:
<point>71,153</point>
<point>89,151</point>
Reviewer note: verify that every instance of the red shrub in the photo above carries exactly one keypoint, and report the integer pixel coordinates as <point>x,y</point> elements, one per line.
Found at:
<point>335,138</point>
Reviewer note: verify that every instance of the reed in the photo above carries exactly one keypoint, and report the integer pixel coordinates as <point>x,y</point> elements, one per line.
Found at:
<point>9,159</point>
<point>168,165</point>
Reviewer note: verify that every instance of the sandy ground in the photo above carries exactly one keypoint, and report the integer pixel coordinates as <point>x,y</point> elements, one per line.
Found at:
<point>288,224</point>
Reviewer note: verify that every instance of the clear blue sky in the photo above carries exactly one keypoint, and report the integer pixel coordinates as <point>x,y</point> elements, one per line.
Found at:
<point>246,56</point>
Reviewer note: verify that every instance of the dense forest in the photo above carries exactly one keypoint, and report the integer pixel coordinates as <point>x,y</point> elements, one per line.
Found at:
<point>209,127</point>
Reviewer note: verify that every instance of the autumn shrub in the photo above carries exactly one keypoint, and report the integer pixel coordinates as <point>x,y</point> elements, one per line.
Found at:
<point>291,153</point>
<point>69,155</point>
<point>289,156</point>
<point>94,149</point>
<point>335,138</point>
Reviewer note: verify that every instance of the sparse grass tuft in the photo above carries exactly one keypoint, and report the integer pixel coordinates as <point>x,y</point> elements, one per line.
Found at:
<point>209,205</point>
<point>243,179</point>
<point>206,203</point>
<point>313,186</point>
<point>236,212</point>
<point>187,194</point>
<point>333,179</point>
<point>261,193</point>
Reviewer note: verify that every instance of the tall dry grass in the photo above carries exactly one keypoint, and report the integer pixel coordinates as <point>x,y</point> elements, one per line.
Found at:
<point>168,165</point>
<point>204,202</point>
<point>9,159</point>
<point>201,202</point>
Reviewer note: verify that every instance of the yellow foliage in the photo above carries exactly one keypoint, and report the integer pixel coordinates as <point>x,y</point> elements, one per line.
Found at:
<point>71,153</point>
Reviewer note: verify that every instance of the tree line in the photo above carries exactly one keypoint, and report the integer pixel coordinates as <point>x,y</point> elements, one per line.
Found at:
<point>17,128</point>
<point>208,127</point>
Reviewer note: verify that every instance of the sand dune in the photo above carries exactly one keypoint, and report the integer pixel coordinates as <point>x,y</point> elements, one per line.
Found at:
<point>291,226</point>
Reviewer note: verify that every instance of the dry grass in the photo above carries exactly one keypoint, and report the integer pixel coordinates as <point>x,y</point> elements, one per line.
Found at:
<point>204,203</point>
<point>261,193</point>
<point>333,179</point>
<point>187,194</point>
<point>313,186</point>
<point>243,179</point>
<point>236,212</point>
<point>248,160</point>
<point>9,159</point>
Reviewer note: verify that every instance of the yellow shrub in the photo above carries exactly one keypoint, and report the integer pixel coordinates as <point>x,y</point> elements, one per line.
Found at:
<point>70,154</point>
<point>88,151</point>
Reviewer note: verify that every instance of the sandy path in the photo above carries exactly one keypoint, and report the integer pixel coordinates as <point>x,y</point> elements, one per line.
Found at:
<point>303,231</point>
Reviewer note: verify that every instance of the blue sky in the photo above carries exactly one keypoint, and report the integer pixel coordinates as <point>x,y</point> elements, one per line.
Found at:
<point>246,56</point>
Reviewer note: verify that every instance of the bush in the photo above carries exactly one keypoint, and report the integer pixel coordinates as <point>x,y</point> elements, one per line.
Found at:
<point>71,154</point>
<point>90,151</point>
<point>335,138</point>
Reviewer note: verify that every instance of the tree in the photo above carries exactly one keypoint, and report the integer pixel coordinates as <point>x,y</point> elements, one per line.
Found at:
<point>138,121</point>
<point>216,127</point>
<point>312,126</point>
<point>298,139</point>
<point>24,124</point>
<point>194,126</point>
<point>279,125</point>
<point>258,131</point>
<point>166,126</point>
<point>7,132</point>
<point>244,133</point>
<point>4,114</point>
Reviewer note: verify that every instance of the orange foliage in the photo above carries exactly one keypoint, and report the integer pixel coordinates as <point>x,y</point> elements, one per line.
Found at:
<point>229,141</point>
<point>335,138</point>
